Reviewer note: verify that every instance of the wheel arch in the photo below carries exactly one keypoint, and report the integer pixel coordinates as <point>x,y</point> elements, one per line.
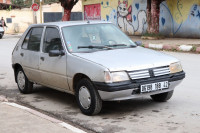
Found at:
<point>15,68</point>
<point>77,78</point>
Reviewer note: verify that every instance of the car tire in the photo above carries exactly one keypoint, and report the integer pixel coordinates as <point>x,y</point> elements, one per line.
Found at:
<point>163,97</point>
<point>88,98</point>
<point>24,85</point>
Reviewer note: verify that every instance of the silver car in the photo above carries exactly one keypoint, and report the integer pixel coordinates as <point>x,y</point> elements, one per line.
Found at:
<point>94,61</point>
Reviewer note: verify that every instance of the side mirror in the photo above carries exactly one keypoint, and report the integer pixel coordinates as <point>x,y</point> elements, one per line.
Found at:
<point>138,43</point>
<point>54,53</point>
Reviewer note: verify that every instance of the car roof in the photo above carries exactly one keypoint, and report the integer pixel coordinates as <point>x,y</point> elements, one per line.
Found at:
<point>70,23</point>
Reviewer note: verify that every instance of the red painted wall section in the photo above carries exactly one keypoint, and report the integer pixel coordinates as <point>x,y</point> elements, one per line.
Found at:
<point>92,12</point>
<point>5,1</point>
<point>8,2</point>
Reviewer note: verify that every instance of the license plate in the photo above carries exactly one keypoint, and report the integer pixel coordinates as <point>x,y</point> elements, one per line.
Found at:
<point>154,86</point>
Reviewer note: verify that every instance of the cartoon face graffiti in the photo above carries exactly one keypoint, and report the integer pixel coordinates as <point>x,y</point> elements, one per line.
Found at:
<point>124,18</point>
<point>122,8</point>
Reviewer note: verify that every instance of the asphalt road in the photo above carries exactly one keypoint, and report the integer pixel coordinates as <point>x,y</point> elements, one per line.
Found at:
<point>179,114</point>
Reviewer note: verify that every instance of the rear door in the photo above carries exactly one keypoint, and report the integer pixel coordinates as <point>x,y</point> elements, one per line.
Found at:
<point>53,69</point>
<point>30,53</point>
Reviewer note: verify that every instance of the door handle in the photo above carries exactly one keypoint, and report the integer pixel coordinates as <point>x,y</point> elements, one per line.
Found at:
<point>42,58</point>
<point>22,54</point>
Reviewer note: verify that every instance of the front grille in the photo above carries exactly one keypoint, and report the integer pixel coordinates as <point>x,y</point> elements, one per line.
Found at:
<point>139,74</point>
<point>154,72</point>
<point>161,71</point>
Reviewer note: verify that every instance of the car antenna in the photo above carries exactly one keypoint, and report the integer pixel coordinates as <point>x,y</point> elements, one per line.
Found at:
<point>88,21</point>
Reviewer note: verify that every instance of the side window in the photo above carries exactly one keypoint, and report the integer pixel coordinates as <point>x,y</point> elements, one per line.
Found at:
<point>26,40</point>
<point>52,40</point>
<point>34,39</point>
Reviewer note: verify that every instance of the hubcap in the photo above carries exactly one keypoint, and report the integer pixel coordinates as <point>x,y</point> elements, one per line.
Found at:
<point>21,80</point>
<point>84,97</point>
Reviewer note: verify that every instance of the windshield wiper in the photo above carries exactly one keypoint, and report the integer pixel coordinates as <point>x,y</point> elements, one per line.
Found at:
<point>115,45</point>
<point>92,47</point>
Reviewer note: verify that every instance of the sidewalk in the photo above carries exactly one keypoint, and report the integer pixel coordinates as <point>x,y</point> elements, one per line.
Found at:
<point>16,35</point>
<point>171,44</point>
<point>19,119</point>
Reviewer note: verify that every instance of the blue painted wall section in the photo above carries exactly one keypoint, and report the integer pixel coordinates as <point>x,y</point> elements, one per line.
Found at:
<point>184,28</point>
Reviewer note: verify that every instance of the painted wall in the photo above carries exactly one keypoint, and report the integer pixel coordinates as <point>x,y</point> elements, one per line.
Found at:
<point>5,1</point>
<point>178,18</point>
<point>21,19</point>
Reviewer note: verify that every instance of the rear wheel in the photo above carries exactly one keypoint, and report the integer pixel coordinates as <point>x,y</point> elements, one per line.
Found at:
<point>24,85</point>
<point>163,97</point>
<point>88,98</point>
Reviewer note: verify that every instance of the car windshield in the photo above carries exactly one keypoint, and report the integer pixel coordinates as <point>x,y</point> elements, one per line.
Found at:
<point>95,37</point>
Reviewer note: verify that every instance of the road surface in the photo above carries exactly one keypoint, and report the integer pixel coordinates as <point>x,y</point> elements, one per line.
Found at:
<point>179,114</point>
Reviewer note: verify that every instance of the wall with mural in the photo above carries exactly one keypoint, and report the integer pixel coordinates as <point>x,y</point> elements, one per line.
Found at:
<point>178,18</point>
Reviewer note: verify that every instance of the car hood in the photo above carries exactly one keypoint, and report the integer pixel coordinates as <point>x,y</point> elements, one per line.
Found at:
<point>128,59</point>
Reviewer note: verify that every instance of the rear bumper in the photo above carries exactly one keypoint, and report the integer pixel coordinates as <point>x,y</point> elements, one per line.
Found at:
<point>131,89</point>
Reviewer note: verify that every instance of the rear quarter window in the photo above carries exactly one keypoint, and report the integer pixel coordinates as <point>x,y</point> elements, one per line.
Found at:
<point>33,39</point>
<point>26,40</point>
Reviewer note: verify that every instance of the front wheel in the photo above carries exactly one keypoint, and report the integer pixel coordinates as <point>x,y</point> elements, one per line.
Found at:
<point>88,98</point>
<point>24,85</point>
<point>163,97</point>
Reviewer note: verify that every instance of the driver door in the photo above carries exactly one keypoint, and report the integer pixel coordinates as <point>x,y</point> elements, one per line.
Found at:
<point>53,69</point>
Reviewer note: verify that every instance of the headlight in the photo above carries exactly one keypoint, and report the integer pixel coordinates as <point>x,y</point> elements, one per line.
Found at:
<point>175,67</point>
<point>115,77</point>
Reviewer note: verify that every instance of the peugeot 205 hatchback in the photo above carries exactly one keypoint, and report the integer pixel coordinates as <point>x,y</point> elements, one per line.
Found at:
<point>94,61</point>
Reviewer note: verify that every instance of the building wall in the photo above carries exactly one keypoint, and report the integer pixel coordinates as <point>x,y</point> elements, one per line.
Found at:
<point>8,1</point>
<point>5,1</point>
<point>178,18</point>
<point>21,19</point>
<point>56,7</point>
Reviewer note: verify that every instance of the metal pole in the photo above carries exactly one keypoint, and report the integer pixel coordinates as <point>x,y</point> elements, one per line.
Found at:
<point>34,15</point>
<point>40,11</point>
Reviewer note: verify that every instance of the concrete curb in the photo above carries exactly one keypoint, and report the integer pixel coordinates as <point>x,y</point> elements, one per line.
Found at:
<point>4,100</point>
<point>178,48</point>
<point>41,115</point>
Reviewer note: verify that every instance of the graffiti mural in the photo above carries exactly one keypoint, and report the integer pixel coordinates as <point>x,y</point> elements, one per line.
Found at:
<point>178,18</point>
<point>121,14</point>
<point>124,18</point>
<point>111,13</point>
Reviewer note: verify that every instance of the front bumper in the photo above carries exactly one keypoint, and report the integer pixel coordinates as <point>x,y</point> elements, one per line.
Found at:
<point>131,89</point>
